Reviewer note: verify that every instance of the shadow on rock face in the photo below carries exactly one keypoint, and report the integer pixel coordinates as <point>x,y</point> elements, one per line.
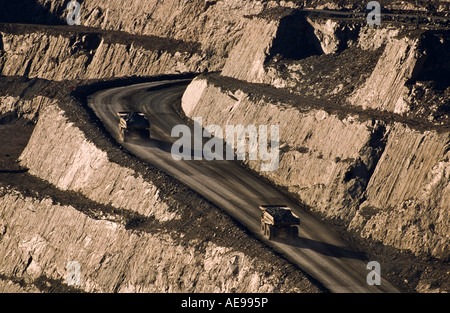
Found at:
<point>30,12</point>
<point>295,39</point>
<point>434,63</point>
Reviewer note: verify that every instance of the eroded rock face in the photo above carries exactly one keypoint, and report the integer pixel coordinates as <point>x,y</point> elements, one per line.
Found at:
<point>87,169</point>
<point>374,175</point>
<point>58,55</point>
<point>27,109</point>
<point>385,180</point>
<point>216,25</point>
<point>127,231</point>
<point>404,64</point>
<point>111,258</point>
<point>362,165</point>
<point>382,68</point>
<point>409,190</point>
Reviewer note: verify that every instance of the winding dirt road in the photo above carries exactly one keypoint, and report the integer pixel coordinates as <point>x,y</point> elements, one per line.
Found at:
<point>318,249</point>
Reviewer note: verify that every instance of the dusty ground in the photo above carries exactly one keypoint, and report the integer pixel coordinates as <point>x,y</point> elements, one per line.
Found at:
<point>400,267</point>
<point>225,231</point>
<point>407,272</point>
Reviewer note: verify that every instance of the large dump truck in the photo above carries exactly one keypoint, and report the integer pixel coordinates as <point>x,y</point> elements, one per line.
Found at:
<point>278,221</point>
<point>133,122</point>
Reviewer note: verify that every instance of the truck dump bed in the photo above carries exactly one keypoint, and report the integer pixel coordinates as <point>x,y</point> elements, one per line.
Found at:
<point>134,120</point>
<point>280,215</point>
<point>278,221</point>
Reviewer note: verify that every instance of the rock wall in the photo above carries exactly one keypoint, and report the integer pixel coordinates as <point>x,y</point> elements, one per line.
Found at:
<point>157,238</point>
<point>288,49</point>
<point>57,55</point>
<point>112,258</point>
<point>216,25</point>
<point>376,176</point>
<point>276,32</point>
<point>239,64</point>
<point>382,68</point>
<point>28,109</point>
<point>386,88</point>
<point>389,86</point>
<point>87,169</point>
<point>407,198</point>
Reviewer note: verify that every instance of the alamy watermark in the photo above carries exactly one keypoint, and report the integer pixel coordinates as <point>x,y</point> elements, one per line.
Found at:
<point>73,277</point>
<point>374,276</point>
<point>374,16</point>
<point>74,16</point>
<point>236,137</point>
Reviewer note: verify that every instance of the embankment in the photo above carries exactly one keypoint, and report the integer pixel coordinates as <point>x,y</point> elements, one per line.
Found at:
<point>377,176</point>
<point>215,25</point>
<point>130,227</point>
<point>393,68</point>
<point>116,258</point>
<point>356,143</point>
<point>57,53</point>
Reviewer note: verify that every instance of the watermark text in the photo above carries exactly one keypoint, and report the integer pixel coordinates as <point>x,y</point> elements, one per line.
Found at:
<point>237,138</point>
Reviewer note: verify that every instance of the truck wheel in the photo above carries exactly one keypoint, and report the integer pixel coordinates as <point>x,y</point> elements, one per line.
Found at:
<point>121,134</point>
<point>266,231</point>
<point>145,134</point>
<point>269,232</point>
<point>294,232</point>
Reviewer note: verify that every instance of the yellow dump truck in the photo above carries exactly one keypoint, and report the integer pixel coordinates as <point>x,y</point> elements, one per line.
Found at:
<point>278,221</point>
<point>133,123</point>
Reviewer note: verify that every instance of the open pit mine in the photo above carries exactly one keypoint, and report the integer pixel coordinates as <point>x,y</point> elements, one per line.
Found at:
<point>321,162</point>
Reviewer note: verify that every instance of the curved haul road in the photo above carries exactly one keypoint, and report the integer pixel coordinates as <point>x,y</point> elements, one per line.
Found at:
<point>317,250</point>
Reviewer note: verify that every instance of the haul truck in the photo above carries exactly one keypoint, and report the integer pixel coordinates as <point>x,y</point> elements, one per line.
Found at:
<point>135,122</point>
<point>278,221</point>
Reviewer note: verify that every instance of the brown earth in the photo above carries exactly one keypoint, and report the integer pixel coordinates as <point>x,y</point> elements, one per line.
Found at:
<point>403,269</point>
<point>400,267</point>
<point>196,213</point>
